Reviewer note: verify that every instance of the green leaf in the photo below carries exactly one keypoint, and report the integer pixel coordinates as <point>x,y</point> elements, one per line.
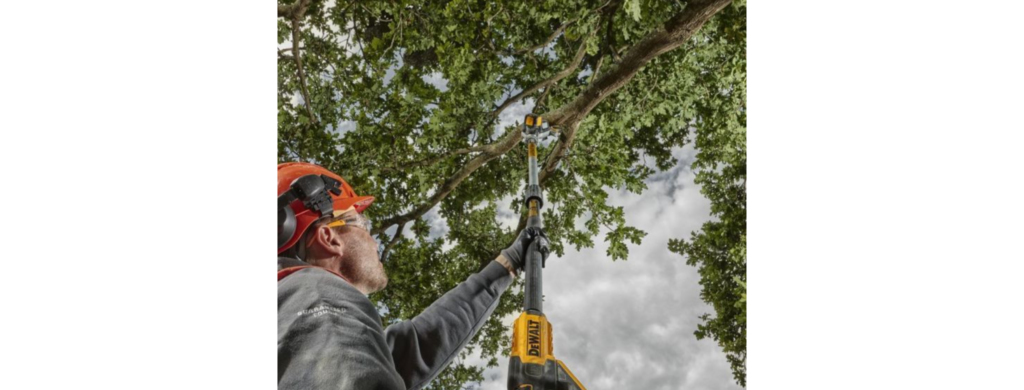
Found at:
<point>632,8</point>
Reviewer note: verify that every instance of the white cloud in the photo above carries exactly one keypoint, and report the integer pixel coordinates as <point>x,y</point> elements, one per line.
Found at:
<point>438,224</point>
<point>436,79</point>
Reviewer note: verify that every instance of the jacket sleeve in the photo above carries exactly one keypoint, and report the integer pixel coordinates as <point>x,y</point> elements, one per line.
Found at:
<point>426,344</point>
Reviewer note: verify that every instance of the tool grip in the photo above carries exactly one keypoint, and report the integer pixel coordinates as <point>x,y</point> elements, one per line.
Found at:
<point>552,375</point>
<point>533,295</point>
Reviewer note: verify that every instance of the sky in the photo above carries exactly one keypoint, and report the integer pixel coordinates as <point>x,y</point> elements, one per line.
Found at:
<point>628,324</point>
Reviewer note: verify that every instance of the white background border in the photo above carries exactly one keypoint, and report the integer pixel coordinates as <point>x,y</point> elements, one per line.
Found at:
<point>139,153</point>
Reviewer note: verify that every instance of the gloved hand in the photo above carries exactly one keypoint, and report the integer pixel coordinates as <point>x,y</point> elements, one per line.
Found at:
<point>516,253</point>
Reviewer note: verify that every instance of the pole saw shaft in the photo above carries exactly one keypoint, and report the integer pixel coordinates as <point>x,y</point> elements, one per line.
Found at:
<point>532,364</point>
<point>534,292</point>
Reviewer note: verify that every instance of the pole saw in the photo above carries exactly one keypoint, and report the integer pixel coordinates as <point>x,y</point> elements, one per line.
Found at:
<point>532,364</point>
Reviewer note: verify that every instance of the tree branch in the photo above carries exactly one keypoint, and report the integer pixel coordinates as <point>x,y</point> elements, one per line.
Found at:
<point>575,63</point>
<point>297,15</point>
<point>596,70</point>
<point>501,8</point>
<point>292,11</point>
<point>543,95</point>
<point>489,152</point>
<point>558,31</point>
<point>394,240</point>
<point>434,160</point>
<point>609,36</point>
<point>285,11</point>
<point>282,54</point>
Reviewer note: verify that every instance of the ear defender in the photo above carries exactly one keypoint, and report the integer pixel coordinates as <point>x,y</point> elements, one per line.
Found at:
<point>315,193</point>
<point>285,224</point>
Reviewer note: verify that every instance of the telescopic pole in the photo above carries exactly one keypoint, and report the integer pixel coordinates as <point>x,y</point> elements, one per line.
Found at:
<point>534,290</point>
<point>532,363</point>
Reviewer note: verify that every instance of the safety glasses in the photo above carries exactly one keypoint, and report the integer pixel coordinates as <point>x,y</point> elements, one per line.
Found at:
<point>357,219</point>
<point>352,218</point>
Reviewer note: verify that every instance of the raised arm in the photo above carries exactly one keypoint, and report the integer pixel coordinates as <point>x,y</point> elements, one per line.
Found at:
<point>424,345</point>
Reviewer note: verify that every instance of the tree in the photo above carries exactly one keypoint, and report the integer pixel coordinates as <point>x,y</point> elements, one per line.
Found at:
<point>404,99</point>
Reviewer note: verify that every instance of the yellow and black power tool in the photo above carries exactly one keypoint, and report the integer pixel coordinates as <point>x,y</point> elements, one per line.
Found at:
<point>532,365</point>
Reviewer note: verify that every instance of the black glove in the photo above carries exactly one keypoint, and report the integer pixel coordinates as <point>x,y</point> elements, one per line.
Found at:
<point>516,253</point>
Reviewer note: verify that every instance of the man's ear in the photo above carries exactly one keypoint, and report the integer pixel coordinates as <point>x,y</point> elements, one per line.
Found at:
<point>327,240</point>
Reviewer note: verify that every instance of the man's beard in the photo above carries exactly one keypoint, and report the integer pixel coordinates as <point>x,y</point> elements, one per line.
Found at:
<point>363,264</point>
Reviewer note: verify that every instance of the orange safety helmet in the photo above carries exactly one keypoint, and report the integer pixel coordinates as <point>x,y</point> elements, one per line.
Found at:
<point>341,198</point>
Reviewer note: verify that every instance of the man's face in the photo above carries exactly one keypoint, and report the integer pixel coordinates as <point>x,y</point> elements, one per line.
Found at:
<point>360,260</point>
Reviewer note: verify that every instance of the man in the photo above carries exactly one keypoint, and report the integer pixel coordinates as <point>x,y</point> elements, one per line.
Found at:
<point>329,334</point>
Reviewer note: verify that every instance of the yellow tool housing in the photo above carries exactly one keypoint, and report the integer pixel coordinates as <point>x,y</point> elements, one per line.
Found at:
<point>533,365</point>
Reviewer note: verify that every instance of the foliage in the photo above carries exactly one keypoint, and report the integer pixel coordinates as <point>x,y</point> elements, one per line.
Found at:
<point>400,97</point>
<point>720,248</point>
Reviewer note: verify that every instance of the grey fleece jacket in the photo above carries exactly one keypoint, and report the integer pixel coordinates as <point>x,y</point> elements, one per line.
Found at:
<point>329,335</point>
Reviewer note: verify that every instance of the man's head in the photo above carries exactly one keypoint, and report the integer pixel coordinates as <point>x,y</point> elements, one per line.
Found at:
<point>323,224</point>
<point>343,244</point>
